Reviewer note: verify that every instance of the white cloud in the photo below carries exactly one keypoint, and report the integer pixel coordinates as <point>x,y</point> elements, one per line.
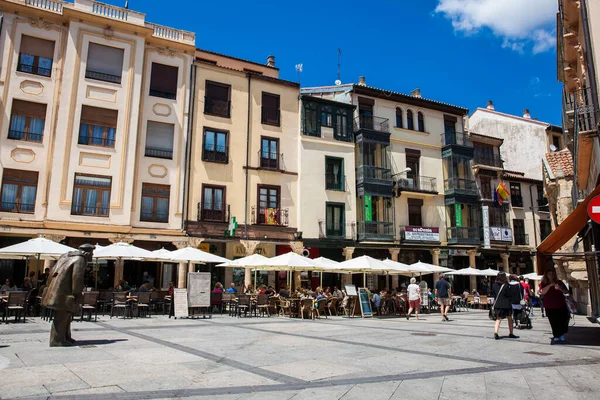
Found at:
<point>520,24</point>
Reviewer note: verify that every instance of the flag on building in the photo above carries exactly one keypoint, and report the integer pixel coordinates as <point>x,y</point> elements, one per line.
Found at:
<point>501,193</point>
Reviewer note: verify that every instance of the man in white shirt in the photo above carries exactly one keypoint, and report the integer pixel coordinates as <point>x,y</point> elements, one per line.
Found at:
<point>414,298</point>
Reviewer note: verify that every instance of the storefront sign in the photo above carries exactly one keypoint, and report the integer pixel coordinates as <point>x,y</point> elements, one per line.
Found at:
<point>501,234</point>
<point>240,250</point>
<point>486,225</point>
<point>422,234</point>
<point>458,212</point>
<point>368,208</point>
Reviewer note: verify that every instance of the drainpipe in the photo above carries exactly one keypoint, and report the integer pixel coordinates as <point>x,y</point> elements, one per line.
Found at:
<point>188,149</point>
<point>590,56</point>
<point>247,158</point>
<point>533,216</point>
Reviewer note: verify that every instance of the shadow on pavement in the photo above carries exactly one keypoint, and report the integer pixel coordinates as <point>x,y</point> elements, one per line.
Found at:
<point>584,336</point>
<point>97,342</point>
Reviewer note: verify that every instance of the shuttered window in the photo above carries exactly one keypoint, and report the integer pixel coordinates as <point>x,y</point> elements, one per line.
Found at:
<point>27,121</point>
<point>163,81</point>
<point>98,126</point>
<point>104,63</point>
<point>155,202</point>
<point>35,56</point>
<point>91,196</point>
<point>18,191</point>
<point>159,140</point>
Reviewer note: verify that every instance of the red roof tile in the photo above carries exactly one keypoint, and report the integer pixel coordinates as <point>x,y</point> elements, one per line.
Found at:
<point>561,160</point>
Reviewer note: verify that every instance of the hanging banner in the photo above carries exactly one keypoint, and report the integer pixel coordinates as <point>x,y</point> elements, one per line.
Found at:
<point>458,212</point>
<point>271,216</point>
<point>368,208</point>
<point>486,226</point>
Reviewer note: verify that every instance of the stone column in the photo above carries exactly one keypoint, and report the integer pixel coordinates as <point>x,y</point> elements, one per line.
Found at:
<point>473,264</point>
<point>505,263</point>
<point>297,247</point>
<point>250,248</point>
<point>182,268</point>
<point>347,278</point>
<point>435,255</point>
<point>394,253</point>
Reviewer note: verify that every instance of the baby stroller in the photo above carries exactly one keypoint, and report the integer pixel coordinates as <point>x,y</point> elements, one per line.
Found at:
<point>524,318</point>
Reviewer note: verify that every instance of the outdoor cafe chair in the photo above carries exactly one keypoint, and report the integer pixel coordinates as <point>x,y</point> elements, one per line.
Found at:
<point>285,307</point>
<point>262,304</point>
<point>320,307</point>
<point>143,303</point>
<point>332,305</point>
<point>308,306</point>
<point>119,303</point>
<point>216,300</point>
<point>484,302</point>
<point>243,304</point>
<point>226,301</point>
<point>273,304</point>
<point>15,304</point>
<point>89,305</point>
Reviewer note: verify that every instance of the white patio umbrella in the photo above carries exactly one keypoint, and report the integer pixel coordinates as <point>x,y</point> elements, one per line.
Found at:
<point>364,265</point>
<point>326,265</point>
<point>121,251</point>
<point>533,276</point>
<point>193,255</point>
<point>398,268</point>
<point>426,268</point>
<point>290,262</point>
<point>254,260</point>
<point>161,255</point>
<point>489,272</point>
<point>465,272</point>
<point>39,247</point>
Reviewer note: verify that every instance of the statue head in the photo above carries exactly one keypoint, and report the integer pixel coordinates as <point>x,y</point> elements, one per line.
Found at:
<point>87,250</point>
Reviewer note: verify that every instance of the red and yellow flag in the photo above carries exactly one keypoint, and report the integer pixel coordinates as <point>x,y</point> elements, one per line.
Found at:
<point>501,193</point>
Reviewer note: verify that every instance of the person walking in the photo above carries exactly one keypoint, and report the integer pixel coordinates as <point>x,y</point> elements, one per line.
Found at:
<point>517,300</point>
<point>443,293</point>
<point>503,294</point>
<point>555,305</point>
<point>414,298</point>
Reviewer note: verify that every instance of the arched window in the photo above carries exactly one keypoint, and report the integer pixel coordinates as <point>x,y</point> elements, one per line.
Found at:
<point>421,120</point>
<point>399,117</point>
<point>410,123</point>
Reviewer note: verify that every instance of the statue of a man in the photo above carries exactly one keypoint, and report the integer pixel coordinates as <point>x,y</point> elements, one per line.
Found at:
<point>65,291</point>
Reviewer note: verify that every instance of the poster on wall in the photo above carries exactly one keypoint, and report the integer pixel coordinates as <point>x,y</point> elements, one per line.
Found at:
<point>421,234</point>
<point>458,213</point>
<point>368,208</point>
<point>486,225</point>
<point>501,234</point>
<point>271,216</point>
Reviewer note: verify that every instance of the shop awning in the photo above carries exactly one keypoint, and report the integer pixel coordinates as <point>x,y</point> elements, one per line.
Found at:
<point>565,231</point>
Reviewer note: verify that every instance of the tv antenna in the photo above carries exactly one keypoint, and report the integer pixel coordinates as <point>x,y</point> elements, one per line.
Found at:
<point>339,75</point>
<point>299,70</point>
<point>127,4</point>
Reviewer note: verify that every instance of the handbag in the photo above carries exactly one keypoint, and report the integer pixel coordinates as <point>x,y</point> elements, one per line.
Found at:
<point>571,304</point>
<point>522,302</point>
<point>497,296</point>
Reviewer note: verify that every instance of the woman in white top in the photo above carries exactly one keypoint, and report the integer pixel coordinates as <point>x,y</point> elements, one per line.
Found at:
<point>414,298</point>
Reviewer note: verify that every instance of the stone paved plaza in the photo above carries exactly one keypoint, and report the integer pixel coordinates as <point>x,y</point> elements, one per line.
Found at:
<point>280,358</point>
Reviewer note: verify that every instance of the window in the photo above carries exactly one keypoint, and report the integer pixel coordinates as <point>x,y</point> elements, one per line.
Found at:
<point>270,109</point>
<point>413,158</point>
<point>542,201</point>
<point>341,130</point>
<point>215,147</point>
<point>155,202</point>
<point>450,130</point>
<point>98,126</point>
<point>519,227</point>
<point>91,195</point>
<point>269,154</point>
<point>486,187</point>
<point>163,81</point>
<point>556,142</point>
<point>410,123</point>
<point>27,121</point>
<point>515,195</point>
<point>421,121</point>
<point>268,205</point>
<point>18,191</point>
<point>159,140</point>
<point>217,99</point>
<point>326,116</point>
<point>545,229</point>
<point>213,203</point>
<point>499,216</point>
<point>310,119</point>
<point>335,219</point>
<point>414,212</point>
<point>399,117</point>
<point>104,63</point>
<point>334,173</point>
<point>35,56</point>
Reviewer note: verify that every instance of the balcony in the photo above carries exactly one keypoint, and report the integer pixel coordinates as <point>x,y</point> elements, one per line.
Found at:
<point>487,160</point>
<point>376,231</point>
<point>96,141</point>
<point>27,136</point>
<point>543,205</point>
<point>335,182</point>
<point>101,76</point>
<point>374,180</point>
<point>166,154</point>
<point>456,138</point>
<point>419,234</point>
<point>516,200</point>
<point>154,216</point>
<point>22,208</point>
<point>586,114</point>
<point>270,160</point>
<point>270,216</point>
<point>349,233</point>
<point>463,235</point>
<point>218,107</point>
<point>211,213</point>
<point>376,124</point>
<point>411,183</point>
<point>33,69</point>
<point>454,186</point>
<point>270,116</point>
<point>521,239</point>
<point>218,154</point>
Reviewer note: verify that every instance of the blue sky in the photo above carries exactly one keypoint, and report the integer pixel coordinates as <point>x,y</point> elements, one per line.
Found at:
<point>463,52</point>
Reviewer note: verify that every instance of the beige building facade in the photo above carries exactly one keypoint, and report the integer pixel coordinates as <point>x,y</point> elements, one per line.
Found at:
<point>94,126</point>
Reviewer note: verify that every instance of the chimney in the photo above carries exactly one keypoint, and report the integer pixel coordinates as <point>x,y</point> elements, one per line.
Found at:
<point>490,105</point>
<point>271,61</point>
<point>416,93</point>
<point>526,114</point>
<point>362,81</point>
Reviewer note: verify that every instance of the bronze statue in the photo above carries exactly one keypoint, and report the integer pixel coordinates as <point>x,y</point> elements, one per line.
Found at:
<point>64,292</point>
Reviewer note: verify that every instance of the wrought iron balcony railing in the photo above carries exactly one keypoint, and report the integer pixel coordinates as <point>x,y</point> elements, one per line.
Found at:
<point>543,205</point>
<point>367,173</point>
<point>27,136</point>
<point>456,138</point>
<point>586,112</point>
<point>335,182</point>
<point>346,231</point>
<point>270,160</point>
<point>460,186</point>
<point>376,231</point>
<point>78,209</point>
<point>154,216</point>
<point>163,94</point>
<point>270,116</point>
<point>516,200</point>
<point>215,154</point>
<point>462,234</point>
<point>521,239</point>
<point>101,76</point>
<point>270,216</point>
<point>159,153</point>
<point>96,141</point>
<point>377,124</point>
<point>218,107</point>
<point>210,212</point>
<point>413,183</point>
<point>492,161</point>
<point>18,207</point>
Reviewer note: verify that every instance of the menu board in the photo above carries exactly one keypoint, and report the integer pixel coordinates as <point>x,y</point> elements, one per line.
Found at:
<point>365,303</point>
<point>350,290</point>
<point>180,303</point>
<point>198,289</point>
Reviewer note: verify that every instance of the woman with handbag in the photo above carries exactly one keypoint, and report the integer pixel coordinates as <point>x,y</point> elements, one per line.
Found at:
<point>503,295</point>
<point>518,299</point>
<point>554,292</point>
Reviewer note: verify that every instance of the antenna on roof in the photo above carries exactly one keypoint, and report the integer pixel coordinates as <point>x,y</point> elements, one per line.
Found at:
<point>339,76</point>
<point>127,4</point>
<point>299,69</point>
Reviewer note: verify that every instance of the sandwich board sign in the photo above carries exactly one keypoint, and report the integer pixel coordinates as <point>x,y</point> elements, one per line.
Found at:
<point>180,303</point>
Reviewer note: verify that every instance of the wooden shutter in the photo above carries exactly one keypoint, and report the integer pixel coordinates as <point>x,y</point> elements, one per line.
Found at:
<point>99,116</point>
<point>29,109</point>
<point>37,47</point>
<point>105,59</point>
<point>217,91</point>
<point>164,78</point>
